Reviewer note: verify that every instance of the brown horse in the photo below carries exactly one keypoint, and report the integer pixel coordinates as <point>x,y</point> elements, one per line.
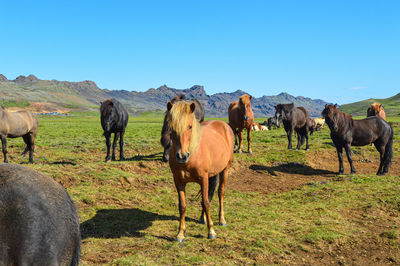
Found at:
<point>241,116</point>
<point>199,153</point>
<point>18,124</point>
<point>346,132</point>
<point>376,109</point>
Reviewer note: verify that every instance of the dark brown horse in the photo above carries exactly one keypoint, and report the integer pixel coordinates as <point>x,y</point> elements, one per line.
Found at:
<point>376,109</point>
<point>166,138</point>
<point>241,116</point>
<point>199,153</point>
<point>39,224</point>
<point>18,124</point>
<point>114,119</point>
<point>294,119</point>
<point>346,132</point>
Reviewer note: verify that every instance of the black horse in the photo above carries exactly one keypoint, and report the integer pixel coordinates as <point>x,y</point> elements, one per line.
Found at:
<point>271,122</point>
<point>166,140</point>
<point>39,224</point>
<point>293,119</point>
<point>114,119</point>
<point>346,132</point>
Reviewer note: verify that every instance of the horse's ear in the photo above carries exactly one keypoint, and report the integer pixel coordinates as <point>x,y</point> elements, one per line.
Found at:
<point>335,105</point>
<point>101,103</point>
<point>292,104</point>
<point>250,97</point>
<point>169,106</point>
<point>326,105</point>
<point>192,107</point>
<point>380,105</point>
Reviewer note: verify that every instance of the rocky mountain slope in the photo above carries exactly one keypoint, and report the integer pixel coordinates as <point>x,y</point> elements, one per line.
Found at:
<point>86,95</point>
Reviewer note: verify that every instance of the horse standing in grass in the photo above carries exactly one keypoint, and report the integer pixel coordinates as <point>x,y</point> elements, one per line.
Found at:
<point>376,109</point>
<point>166,140</point>
<point>199,153</point>
<point>39,224</point>
<point>18,124</point>
<point>241,116</point>
<point>294,119</point>
<point>346,132</point>
<point>114,119</point>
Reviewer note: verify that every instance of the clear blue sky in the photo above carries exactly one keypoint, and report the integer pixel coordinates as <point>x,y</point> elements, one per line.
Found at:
<point>339,51</point>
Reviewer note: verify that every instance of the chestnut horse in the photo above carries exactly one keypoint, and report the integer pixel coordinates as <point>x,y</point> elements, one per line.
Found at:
<point>346,132</point>
<point>199,153</point>
<point>241,116</point>
<point>18,124</point>
<point>376,109</point>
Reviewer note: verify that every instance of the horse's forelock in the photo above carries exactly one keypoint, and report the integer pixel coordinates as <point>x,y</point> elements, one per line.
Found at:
<point>244,100</point>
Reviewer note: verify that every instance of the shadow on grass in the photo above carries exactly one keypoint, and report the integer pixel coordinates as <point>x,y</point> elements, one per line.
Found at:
<point>116,223</point>
<point>63,163</point>
<point>151,157</point>
<point>291,168</point>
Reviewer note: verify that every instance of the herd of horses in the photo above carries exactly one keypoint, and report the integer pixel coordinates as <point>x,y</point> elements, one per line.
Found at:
<point>38,221</point>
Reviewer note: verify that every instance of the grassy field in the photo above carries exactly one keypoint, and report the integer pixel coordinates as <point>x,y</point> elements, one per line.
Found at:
<point>281,206</point>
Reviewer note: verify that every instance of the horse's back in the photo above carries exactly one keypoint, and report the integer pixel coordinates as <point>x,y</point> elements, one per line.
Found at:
<point>369,130</point>
<point>38,221</point>
<point>217,135</point>
<point>16,124</point>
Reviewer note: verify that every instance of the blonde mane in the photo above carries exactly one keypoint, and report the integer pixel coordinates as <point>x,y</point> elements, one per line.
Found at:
<point>376,106</point>
<point>244,99</point>
<point>179,118</point>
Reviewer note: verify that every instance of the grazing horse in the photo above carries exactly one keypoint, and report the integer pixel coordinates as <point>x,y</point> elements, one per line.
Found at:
<point>346,132</point>
<point>39,224</point>
<point>18,124</point>
<point>114,119</point>
<point>294,119</point>
<point>199,153</point>
<point>166,139</point>
<point>272,122</point>
<point>241,116</point>
<point>319,123</point>
<point>376,109</point>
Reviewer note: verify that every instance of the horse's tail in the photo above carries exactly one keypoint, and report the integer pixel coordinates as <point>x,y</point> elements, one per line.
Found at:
<point>388,156</point>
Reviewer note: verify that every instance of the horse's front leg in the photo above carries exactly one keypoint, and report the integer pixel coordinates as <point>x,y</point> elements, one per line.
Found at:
<point>108,144</point>
<point>4,147</point>
<point>240,134</point>
<point>114,145</point>
<point>298,140</point>
<point>347,147</point>
<point>307,147</point>
<point>206,207</point>
<point>221,193</point>
<point>31,137</point>
<point>182,209</point>
<point>235,133</point>
<point>289,136</point>
<point>339,150</point>
<point>249,139</point>
<point>121,146</point>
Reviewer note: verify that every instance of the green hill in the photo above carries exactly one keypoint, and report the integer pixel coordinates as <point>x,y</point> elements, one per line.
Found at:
<point>391,106</point>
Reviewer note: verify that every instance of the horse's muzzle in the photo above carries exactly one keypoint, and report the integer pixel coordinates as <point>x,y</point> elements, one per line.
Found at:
<point>182,158</point>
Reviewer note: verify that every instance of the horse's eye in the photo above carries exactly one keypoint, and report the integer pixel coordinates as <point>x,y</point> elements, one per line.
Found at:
<point>190,127</point>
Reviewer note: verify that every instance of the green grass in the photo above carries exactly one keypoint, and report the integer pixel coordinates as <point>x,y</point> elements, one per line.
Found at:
<point>135,223</point>
<point>11,103</point>
<point>391,106</point>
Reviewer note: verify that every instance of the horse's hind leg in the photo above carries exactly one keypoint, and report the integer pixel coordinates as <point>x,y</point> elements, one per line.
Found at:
<point>26,140</point>
<point>289,136</point>
<point>4,147</point>
<point>212,184</point>
<point>114,145</point>
<point>121,146</point>
<point>299,140</point>
<point>347,147</point>
<point>381,149</point>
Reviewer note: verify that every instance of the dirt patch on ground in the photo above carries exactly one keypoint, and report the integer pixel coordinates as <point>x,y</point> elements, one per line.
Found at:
<point>321,166</point>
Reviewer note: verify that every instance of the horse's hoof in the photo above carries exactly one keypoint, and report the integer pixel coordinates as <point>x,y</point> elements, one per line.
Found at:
<point>180,239</point>
<point>122,159</point>
<point>223,224</point>
<point>212,236</point>
<point>250,152</point>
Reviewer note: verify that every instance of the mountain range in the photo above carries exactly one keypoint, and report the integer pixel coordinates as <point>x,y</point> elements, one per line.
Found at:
<point>391,106</point>
<point>51,95</point>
